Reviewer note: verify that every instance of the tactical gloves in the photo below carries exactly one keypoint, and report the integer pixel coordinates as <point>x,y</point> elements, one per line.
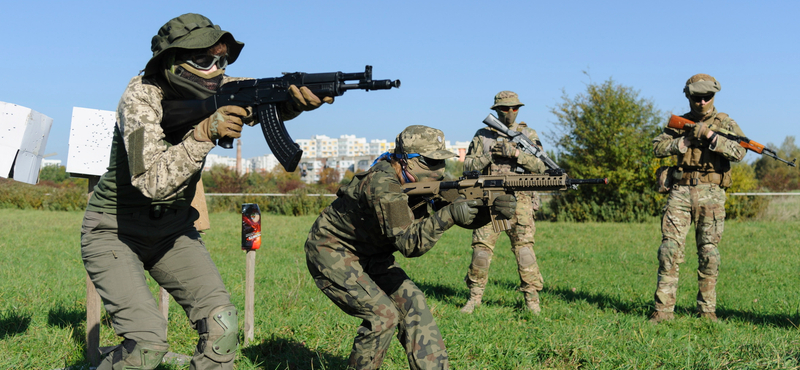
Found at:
<point>464,211</point>
<point>505,205</point>
<point>700,131</point>
<point>225,122</point>
<point>505,149</point>
<point>305,100</point>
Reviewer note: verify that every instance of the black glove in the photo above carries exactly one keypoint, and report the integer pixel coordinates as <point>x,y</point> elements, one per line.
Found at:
<point>505,205</point>
<point>464,211</point>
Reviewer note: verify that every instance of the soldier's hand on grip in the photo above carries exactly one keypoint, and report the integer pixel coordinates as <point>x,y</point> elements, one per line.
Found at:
<point>464,211</point>
<point>700,131</point>
<point>506,205</point>
<point>305,100</point>
<point>505,149</point>
<point>225,122</point>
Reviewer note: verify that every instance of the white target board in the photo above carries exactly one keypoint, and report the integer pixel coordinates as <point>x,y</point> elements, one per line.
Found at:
<point>90,138</point>
<point>23,138</point>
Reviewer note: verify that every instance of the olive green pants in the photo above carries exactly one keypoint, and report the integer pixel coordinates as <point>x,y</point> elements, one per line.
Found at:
<point>116,252</point>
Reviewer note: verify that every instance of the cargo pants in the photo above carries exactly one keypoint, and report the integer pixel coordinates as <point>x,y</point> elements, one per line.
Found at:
<point>380,293</point>
<point>521,235</point>
<point>116,252</point>
<point>704,205</point>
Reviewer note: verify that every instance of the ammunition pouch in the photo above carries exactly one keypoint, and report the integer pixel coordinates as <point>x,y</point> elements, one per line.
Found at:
<point>666,177</point>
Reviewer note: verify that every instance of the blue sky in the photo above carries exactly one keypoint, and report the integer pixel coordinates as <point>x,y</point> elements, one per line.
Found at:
<point>451,56</point>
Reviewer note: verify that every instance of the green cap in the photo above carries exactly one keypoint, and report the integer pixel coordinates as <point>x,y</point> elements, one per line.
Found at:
<point>506,99</point>
<point>189,31</point>
<point>423,140</point>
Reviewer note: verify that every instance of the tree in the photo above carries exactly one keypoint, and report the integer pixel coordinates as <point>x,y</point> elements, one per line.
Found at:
<point>453,169</point>
<point>775,175</point>
<point>607,132</point>
<point>221,179</point>
<point>329,179</point>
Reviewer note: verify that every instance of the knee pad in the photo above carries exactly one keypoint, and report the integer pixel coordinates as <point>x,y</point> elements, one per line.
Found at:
<point>708,259</point>
<point>668,251</point>
<point>525,257</point>
<point>133,355</point>
<point>481,258</point>
<point>219,334</point>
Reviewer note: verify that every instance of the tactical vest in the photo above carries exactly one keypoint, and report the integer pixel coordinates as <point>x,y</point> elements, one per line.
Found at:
<point>702,165</point>
<point>501,165</point>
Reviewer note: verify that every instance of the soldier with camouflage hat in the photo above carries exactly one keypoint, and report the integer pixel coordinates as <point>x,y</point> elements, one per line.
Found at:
<point>140,216</point>
<point>697,195</point>
<point>491,153</point>
<point>350,250</point>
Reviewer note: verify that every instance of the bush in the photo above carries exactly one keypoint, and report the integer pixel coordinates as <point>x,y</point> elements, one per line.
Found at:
<point>744,206</point>
<point>607,132</point>
<point>19,195</point>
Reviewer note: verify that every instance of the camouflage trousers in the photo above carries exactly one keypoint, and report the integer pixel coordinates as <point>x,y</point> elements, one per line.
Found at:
<point>705,206</point>
<point>380,293</point>
<point>521,235</point>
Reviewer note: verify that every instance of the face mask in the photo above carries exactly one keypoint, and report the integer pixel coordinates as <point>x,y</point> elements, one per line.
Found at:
<point>209,81</point>
<point>507,115</point>
<point>426,169</point>
<point>697,107</point>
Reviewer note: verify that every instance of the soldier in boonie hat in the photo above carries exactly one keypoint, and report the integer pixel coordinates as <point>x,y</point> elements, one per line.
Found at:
<point>146,194</point>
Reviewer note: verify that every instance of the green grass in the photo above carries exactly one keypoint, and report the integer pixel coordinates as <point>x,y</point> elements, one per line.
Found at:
<point>599,283</point>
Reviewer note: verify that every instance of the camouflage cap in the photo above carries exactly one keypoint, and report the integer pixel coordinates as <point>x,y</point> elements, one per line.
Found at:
<point>423,140</point>
<point>701,84</point>
<point>189,31</point>
<point>506,99</point>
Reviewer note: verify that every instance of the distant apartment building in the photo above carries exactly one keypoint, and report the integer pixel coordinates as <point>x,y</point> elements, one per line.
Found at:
<point>347,153</point>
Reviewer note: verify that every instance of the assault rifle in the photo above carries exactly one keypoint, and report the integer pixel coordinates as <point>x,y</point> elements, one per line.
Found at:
<point>487,188</point>
<point>680,123</point>
<point>263,95</point>
<point>523,142</point>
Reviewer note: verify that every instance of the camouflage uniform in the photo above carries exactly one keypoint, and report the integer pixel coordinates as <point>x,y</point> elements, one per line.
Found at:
<point>139,218</point>
<point>350,254</point>
<point>697,196</point>
<point>480,157</point>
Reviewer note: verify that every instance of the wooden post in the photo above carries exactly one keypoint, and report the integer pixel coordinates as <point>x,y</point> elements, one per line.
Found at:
<point>93,306</point>
<point>249,296</point>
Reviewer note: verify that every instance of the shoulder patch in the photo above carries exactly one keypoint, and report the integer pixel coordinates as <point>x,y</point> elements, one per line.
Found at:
<point>135,150</point>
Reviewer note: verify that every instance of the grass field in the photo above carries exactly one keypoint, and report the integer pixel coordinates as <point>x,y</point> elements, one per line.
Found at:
<point>599,283</point>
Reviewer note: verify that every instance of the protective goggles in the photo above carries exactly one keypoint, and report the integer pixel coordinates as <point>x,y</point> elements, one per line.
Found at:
<point>206,61</point>
<point>699,98</point>
<point>430,162</point>
<point>506,109</point>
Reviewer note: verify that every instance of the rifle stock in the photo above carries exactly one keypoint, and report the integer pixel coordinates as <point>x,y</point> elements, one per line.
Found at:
<point>264,95</point>
<point>681,123</point>
<point>488,187</point>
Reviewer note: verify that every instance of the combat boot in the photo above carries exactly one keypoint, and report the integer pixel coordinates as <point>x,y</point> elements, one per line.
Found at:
<point>660,316</point>
<point>710,316</point>
<point>532,301</point>
<point>475,297</point>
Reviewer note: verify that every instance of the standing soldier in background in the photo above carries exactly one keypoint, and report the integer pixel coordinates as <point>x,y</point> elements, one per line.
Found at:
<point>493,154</point>
<point>697,194</point>
<point>140,218</point>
